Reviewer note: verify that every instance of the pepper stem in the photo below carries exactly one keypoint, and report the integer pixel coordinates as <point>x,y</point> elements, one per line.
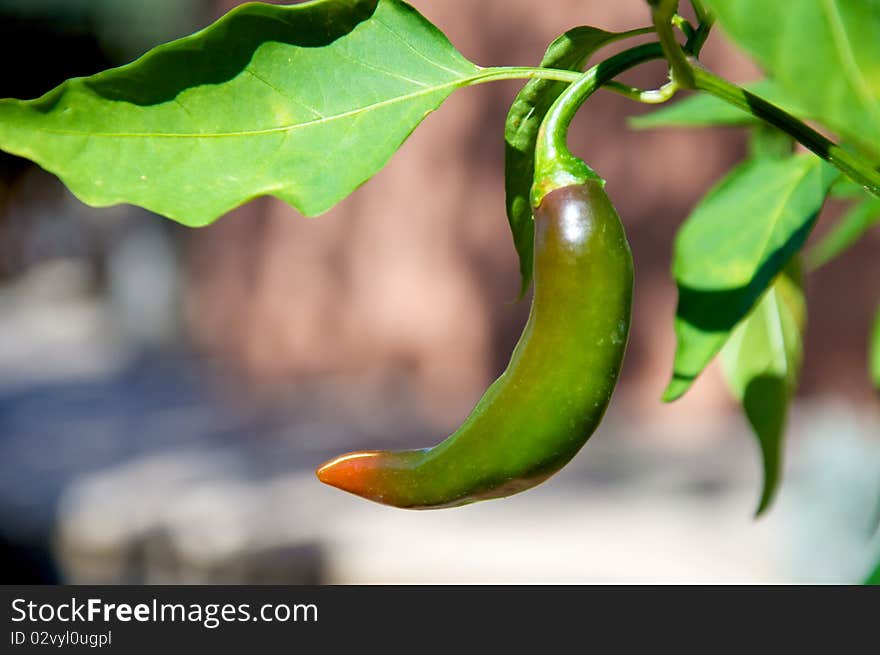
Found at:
<point>555,166</point>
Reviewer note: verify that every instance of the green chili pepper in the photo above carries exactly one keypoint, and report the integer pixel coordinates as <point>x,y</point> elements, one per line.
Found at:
<point>535,417</point>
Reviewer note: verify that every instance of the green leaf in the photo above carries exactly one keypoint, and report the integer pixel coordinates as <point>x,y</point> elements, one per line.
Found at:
<point>768,142</point>
<point>845,187</point>
<point>732,246</point>
<point>875,352</point>
<point>762,363</point>
<point>874,577</point>
<point>824,54</point>
<point>702,109</point>
<point>570,52</point>
<point>302,102</point>
<point>859,219</point>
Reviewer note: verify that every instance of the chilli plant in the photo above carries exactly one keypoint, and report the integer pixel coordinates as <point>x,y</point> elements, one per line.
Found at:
<point>306,102</point>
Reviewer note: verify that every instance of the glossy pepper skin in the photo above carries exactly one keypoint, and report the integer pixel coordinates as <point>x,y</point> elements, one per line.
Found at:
<point>538,414</point>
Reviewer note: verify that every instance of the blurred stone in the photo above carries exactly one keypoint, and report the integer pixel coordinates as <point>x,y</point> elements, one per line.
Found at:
<point>181,520</point>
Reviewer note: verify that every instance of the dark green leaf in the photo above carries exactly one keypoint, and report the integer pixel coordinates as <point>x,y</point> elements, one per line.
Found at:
<point>824,54</point>
<point>874,577</point>
<point>570,52</point>
<point>732,246</point>
<point>768,142</point>
<point>762,362</point>
<point>302,102</point>
<point>845,187</point>
<point>859,219</point>
<point>702,109</point>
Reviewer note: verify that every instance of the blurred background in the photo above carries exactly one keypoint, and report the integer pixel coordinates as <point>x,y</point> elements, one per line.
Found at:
<point>166,393</point>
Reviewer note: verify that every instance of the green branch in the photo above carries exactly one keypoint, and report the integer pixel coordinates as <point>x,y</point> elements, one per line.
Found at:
<point>689,73</point>
<point>520,73</point>
<point>603,74</point>
<point>695,43</point>
<point>555,166</point>
<point>494,74</point>
<point>663,13</point>
<point>647,96</point>
<point>855,167</point>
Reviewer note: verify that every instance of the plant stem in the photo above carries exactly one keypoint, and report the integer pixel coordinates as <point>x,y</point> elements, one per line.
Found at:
<point>695,43</point>
<point>520,73</point>
<point>684,25</point>
<point>492,74</point>
<point>688,73</point>
<point>700,11</point>
<point>555,166</point>
<point>639,31</point>
<point>566,105</point>
<point>524,72</point>
<point>584,84</point>
<point>855,167</point>
<point>647,96</point>
<point>662,13</point>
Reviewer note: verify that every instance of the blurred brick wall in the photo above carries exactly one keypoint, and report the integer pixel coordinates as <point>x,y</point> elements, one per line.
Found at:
<point>412,277</point>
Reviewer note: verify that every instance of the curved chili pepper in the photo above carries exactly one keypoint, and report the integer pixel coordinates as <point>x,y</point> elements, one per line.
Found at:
<point>539,413</point>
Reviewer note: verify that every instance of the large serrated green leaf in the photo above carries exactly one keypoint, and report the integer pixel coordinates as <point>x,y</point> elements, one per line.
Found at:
<point>762,362</point>
<point>824,54</point>
<point>302,102</point>
<point>570,52</point>
<point>860,218</point>
<point>702,109</point>
<point>732,246</point>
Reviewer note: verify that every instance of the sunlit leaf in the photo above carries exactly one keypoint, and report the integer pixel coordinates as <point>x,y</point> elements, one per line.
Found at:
<point>874,577</point>
<point>768,142</point>
<point>302,102</point>
<point>848,230</point>
<point>846,187</point>
<point>761,363</point>
<point>824,54</point>
<point>732,246</point>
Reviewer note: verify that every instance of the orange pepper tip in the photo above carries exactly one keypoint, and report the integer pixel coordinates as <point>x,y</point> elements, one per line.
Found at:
<point>351,472</point>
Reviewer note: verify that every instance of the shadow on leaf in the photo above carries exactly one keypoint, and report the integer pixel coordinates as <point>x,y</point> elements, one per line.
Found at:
<point>720,310</point>
<point>222,51</point>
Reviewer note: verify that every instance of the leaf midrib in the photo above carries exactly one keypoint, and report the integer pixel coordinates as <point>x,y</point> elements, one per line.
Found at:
<point>773,323</point>
<point>779,210</point>
<point>277,129</point>
<point>788,190</point>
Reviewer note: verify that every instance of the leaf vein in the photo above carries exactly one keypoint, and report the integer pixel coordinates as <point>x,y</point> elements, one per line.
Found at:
<point>780,210</point>
<point>284,94</point>
<point>413,48</point>
<point>384,71</point>
<point>280,128</point>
